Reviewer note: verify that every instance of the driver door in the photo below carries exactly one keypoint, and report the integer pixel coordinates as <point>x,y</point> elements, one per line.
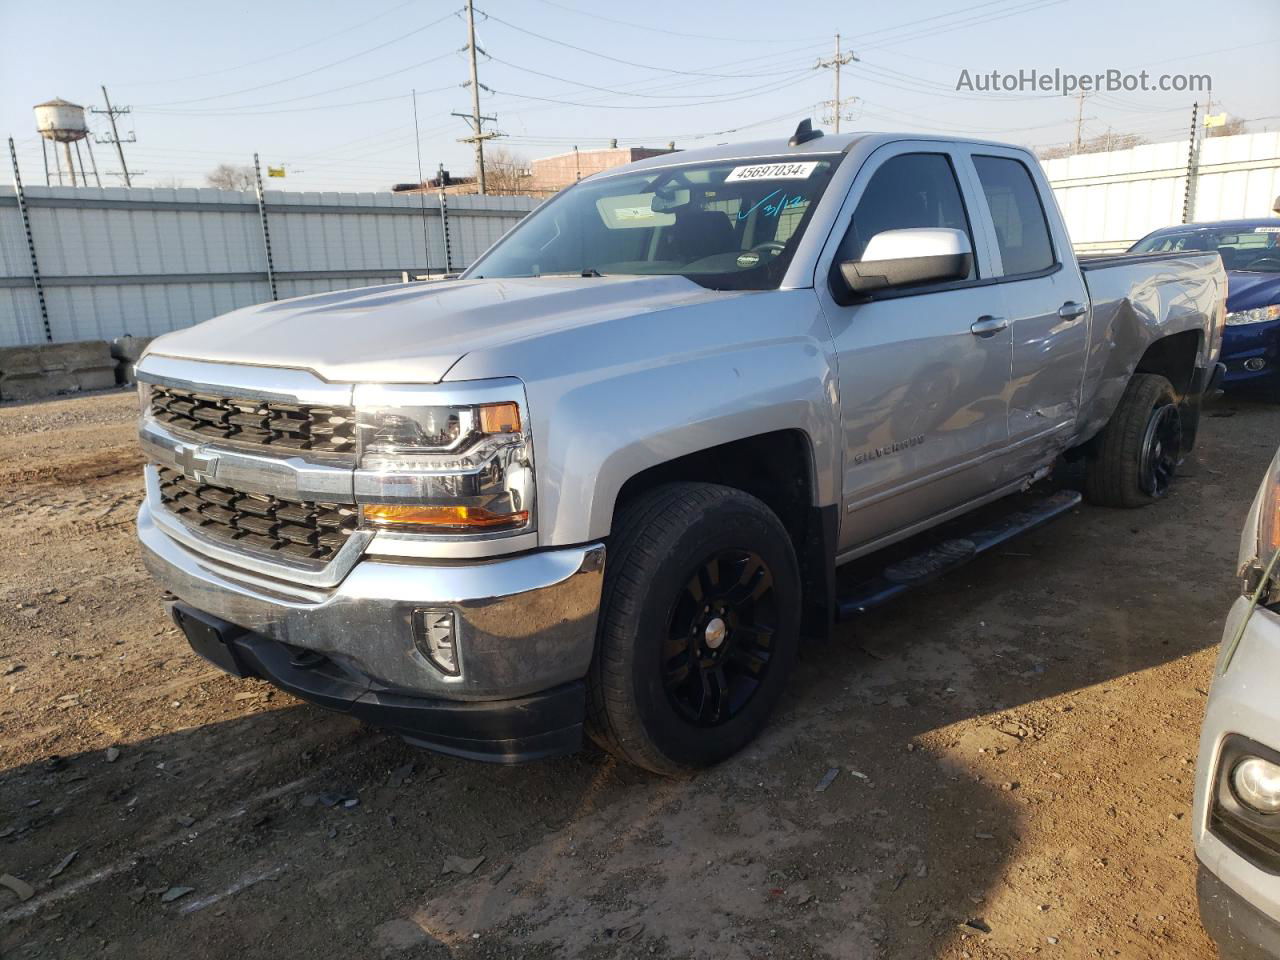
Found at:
<point>923,371</point>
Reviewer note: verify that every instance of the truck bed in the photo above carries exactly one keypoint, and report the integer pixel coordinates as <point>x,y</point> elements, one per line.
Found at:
<point>1136,299</point>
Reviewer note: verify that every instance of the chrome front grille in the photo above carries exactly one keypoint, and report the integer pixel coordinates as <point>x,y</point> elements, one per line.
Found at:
<point>292,529</point>
<point>272,424</point>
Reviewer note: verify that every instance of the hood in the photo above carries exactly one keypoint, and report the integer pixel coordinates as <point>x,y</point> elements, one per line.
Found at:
<point>1246,290</point>
<point>413,333</point>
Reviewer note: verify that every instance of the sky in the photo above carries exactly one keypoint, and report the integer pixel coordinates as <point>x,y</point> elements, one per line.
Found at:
<point>324,87</point>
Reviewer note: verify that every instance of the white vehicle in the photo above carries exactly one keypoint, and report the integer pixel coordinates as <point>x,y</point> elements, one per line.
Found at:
<point>1236,825</point>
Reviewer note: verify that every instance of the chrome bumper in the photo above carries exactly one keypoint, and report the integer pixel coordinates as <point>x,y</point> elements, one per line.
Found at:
<point>525,623</point>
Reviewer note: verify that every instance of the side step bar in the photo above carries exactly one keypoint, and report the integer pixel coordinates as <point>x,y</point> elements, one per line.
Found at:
<point>929,564</point>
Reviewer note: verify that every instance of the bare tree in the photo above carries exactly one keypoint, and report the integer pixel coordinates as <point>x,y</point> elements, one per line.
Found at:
<point>1233,127</point>
<point>506,173</point>
<point>225,176</point>
<point>1100,144</point>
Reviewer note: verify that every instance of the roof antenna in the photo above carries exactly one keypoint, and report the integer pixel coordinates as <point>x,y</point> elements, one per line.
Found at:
<point>804,133</point>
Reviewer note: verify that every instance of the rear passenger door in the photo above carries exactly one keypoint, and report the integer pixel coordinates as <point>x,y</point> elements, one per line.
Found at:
<point>1044,299</point>
<point>922,371</point>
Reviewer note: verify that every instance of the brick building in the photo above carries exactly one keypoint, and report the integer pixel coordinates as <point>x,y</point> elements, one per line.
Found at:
<point>565,169</point>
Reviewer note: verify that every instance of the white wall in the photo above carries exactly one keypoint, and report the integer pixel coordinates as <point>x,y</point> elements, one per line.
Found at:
<point>1111,199</point>
<point>146,261</point>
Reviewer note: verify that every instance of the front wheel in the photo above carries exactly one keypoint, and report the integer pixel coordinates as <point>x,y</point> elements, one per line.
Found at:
<point>699,627</point>
<point>1140,448</point>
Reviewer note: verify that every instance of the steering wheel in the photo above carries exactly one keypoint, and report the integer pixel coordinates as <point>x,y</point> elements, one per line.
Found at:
<point>1268,262</point>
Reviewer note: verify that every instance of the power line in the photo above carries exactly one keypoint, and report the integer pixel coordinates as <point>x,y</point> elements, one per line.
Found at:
<point>1029,7</point>
<point>307,73</point>
<point>604,56</point>
<point>267,113</point>
<point>273,56</point>
<point>670,33</point>
<point>624,93</point>
<point>804,75</point>
<point>321,93</point>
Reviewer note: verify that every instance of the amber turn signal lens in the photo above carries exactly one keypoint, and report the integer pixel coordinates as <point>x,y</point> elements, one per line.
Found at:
<point>462,518</point>
<point>500,418</point>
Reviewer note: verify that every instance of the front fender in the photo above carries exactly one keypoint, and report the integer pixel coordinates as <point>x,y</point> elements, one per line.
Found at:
<point>612,399</point>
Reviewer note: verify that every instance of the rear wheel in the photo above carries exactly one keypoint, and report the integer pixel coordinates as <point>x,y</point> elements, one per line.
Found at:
<point>699,626</point>
<point>1139,450</point>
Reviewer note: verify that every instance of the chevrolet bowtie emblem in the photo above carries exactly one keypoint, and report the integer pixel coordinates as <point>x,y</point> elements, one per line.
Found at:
<point>195,465</point>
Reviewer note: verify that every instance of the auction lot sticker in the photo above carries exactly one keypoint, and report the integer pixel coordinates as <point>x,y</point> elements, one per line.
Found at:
<point>772,171</point>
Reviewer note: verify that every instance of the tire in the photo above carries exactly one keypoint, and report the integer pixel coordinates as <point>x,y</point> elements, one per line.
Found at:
<point>1139,449</point>
<point>649,701</point>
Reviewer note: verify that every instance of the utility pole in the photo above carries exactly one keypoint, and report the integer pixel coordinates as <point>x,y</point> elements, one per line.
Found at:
<point>835,63</point>
<point>1079,119</point>
<point>475,118</point>
<point>112,113</point>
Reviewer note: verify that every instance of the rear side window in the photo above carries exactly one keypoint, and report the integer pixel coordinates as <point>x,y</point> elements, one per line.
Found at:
<point>910,190</point>
<point>1021,229</point>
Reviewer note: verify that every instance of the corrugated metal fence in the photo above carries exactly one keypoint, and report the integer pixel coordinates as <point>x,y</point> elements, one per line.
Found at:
<point>1112,199</point>
<point>115,261</point>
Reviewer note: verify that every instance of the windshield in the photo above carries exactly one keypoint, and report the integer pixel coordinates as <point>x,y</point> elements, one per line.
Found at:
<point>1255,249</point>
<point>728,224</point>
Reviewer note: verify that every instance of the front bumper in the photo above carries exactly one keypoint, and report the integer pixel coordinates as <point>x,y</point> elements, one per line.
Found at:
<point>1253,343</point>
<point>1241,930</point>
<point>525,624</point>
<point>535,727</point>
<point>1243,701</point>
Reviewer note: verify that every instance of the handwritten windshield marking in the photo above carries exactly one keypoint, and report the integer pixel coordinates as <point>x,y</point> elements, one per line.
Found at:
<point>776,207</point>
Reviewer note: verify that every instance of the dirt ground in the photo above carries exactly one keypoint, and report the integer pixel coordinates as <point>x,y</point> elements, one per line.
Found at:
<point>1014,744</point>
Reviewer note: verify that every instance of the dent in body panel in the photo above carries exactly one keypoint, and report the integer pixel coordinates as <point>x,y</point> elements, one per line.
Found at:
<point>1049,353</point>
<point>612,399</point>
<point>1136,302</point>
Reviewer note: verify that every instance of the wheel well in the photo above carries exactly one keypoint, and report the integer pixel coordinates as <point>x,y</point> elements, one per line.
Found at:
<point>776,468</point>
<point>1174,358</point>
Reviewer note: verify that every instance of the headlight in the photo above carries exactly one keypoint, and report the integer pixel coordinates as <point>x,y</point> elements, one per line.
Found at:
<point>1256,315</point>
<point>1260,537</point>
<point>430,464</point>
<point>1256,783</point>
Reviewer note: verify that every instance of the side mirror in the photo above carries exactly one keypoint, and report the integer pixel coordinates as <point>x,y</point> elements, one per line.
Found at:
<point>907,257</point>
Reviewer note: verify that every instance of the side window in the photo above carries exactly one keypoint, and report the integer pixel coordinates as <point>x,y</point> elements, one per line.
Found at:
<point>1021,229</point>
<point>910,190</point>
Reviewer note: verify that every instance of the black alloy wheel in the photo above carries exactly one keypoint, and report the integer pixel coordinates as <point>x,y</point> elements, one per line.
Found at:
<point>1161,449</point>
<point>720,637</point>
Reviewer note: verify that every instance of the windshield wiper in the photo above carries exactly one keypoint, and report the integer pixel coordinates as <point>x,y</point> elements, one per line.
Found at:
<point>592,272</point>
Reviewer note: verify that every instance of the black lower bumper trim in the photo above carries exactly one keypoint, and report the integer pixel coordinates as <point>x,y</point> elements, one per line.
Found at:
<point>1241,930</point>
<point>535,727</point>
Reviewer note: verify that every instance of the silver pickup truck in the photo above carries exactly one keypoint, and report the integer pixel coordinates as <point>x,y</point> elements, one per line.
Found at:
<point>603,481</point>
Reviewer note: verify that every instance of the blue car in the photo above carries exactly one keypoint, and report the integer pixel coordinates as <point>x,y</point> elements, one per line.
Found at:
<point>1250,251</point>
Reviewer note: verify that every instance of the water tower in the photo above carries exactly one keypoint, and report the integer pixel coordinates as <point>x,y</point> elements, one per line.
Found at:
<point>63,122</point>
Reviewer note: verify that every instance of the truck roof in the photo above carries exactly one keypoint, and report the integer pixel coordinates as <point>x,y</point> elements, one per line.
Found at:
<point>780,147</point>
<point>1247,223</point>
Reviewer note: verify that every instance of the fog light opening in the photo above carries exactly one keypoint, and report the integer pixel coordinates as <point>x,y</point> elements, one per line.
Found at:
<point>1254,364</point>
<point>1256,784</point>
<point>435,634</point>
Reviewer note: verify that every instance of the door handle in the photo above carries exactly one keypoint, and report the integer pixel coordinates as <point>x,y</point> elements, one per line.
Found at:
<point>988,326</point>
<point>1070,310</point>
